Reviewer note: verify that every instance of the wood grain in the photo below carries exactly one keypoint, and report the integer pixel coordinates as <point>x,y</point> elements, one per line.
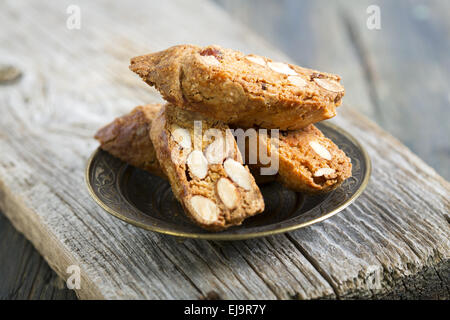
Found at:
<point>24,273</point>
<point>74,81</point>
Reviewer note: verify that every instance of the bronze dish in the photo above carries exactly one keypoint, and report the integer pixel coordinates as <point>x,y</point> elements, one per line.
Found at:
<point>146,201</point>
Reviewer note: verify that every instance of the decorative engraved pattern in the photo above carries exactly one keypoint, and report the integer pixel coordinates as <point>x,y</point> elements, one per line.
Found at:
<point>147,201</point>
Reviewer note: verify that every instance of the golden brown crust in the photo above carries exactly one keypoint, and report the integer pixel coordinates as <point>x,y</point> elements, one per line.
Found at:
<point>309,162</point>
<point>173,156</point>
<point>127,138</point>
<point>227,85</point>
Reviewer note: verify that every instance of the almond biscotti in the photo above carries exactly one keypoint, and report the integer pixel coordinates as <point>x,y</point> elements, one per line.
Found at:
<point>127,138</point>
<point>301,153</point>
<point>308,161</point>
<point>243,90</point>
<point>204,166</point>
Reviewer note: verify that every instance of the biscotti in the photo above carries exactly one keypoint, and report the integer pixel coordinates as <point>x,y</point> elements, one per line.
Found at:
<point>204,166</point>
<point>243,90</point>
<point>300,155</point>
<point>308,161</point>
<point>128,139</point>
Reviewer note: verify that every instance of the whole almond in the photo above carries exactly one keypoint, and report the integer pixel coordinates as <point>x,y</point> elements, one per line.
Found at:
<point>227,193</point>
<point>205,209</point>
<point>297,81</point>
<point>256,59</point>
<point>197,164</point>
<point>320,150</point>
<point>281,67</point>
<point>182,137</point>
<point>324,172</point>
<point>330,85</point>
<point>219,149</point>
<point>238,173</point>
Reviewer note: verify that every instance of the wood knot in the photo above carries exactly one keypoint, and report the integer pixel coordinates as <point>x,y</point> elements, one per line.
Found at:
<point>212,295</point>
<point>9,74</point>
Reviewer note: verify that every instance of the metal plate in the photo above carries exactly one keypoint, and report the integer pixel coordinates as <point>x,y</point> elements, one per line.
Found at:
<point>147,201</point>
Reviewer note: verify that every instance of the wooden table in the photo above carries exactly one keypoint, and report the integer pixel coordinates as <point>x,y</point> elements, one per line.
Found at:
<point>393,242</point>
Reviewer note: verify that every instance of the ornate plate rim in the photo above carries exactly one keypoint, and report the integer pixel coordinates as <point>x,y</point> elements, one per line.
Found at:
<point>250,235</point>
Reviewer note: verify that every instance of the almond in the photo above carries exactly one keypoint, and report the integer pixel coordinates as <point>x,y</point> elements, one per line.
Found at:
<point>256,59</point>
<point>281,67</point>
<point>218,150</point>
<point>227,193</point>
<point>324,172</point>
<point>197,163</point>
<point>320,150</point>
<point>182,137</point>
<point>297,81</point>
<point>210,60</point>
<point>329,85</point>
<point>204,209</point>
<point>238,173</point>
<point>230,144</point>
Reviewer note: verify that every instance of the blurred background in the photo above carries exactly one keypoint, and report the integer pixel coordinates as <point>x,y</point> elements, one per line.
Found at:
<point>398,75</point>
<point>393,57</point>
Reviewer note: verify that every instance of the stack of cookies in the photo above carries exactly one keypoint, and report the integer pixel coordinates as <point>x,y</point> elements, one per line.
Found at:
<point>231,122</point>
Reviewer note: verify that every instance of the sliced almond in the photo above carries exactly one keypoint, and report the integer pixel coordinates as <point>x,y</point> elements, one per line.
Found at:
<point>227,193</point>
<point>297,81</point>
<point>330,85</point>
<point>324,172</point>
<point>320,150</point>
<point>197,163</point>
<point>281,67</point>
<point>256,59</point>
<point>182,137</point>
<point>204,209</point>
<point>238,173</point>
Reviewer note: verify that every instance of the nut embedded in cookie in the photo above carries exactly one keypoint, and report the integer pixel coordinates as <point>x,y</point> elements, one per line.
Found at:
<point>305,156</point>
<point>309,162</point>
<point>128,138</point>
<point>215,194</point>
<point>242,90</point>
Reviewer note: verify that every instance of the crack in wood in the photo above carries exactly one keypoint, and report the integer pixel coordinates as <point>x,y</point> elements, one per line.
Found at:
<point>315,264</point>
<point>53,123</point>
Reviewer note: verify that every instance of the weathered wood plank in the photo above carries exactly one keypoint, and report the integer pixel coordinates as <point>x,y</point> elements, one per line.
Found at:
<point>75,81</point>
<point>388,219</point>
<point>411,51</point>
<point>74,205</point>
<point>24,273</point>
